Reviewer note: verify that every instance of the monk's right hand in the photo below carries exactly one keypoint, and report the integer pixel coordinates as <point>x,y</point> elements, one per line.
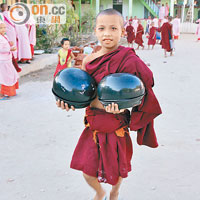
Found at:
<point>13,48</point>
<point>64,106</point>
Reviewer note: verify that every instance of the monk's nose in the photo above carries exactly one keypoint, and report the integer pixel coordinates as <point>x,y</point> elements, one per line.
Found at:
<point>107,33</point>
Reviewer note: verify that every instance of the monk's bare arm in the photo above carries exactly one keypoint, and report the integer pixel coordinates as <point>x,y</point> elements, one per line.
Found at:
<point>87,59</point>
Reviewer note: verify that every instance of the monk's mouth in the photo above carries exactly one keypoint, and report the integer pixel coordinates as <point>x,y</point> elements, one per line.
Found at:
<point>107,40</point>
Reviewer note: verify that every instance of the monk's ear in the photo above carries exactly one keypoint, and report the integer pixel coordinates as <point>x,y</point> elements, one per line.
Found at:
<point>95,30</point>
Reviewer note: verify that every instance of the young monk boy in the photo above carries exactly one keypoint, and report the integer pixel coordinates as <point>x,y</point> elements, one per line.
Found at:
<point>152,36</point>
<point>130,34</point>
<point>167,36</point>
<point>140,32</point>
<point>104,150</point>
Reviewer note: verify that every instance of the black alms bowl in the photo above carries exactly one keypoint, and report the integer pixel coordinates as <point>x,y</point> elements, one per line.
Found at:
<point>124,89</point>
<point>75,87</point>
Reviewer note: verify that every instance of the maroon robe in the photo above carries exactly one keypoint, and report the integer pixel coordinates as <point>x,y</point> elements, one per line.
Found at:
<point>110,157</point>
<point>152,36</point>
<point>140,32</point>
<point>130,33</point>
<point>166,35</point>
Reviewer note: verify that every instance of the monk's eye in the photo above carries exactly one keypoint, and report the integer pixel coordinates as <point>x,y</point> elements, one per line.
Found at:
<point>101,28</point>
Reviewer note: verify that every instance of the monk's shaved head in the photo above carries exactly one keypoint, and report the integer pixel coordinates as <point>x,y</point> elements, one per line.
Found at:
<point>111,11</point>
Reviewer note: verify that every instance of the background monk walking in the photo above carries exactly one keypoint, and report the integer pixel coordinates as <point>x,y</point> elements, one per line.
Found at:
<point>167,37</point>
<point>152,36</point>
<point>130,34</point>
<point>140,32</point>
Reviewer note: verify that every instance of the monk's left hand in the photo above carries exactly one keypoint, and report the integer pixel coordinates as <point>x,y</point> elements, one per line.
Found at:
<point>113,108</point>
<point>11,43</point>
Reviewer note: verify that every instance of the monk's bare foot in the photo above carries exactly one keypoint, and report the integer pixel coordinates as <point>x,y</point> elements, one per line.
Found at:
<point>100,195</point>
<point>114,195</point>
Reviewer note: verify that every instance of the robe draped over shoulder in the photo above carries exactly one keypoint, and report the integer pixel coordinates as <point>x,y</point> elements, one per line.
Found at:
<point>124,60</point>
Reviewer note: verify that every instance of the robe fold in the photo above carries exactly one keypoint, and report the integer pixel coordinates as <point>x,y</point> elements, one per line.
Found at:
<point>130,33</point>
<point>110,156</point>
<point>140,32</point>
<point>152,36</point>
<point>166,36</point>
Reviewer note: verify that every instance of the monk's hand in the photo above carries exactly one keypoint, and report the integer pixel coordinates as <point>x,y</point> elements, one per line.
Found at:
<point>64,106</point>
<point>113,108</point>
<point>13,48</point>
<point>11,43</point>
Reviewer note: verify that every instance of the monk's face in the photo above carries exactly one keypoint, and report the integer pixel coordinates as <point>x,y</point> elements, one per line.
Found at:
<point>2,29</point>
<point>109,30</point>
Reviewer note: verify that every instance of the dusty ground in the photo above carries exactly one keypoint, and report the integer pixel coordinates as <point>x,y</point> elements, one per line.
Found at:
<point>41,75</point>
<point>37,139</point>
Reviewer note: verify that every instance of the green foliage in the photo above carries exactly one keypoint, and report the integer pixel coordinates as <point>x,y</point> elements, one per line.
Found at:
<point>48,35</point>
<point>70,28</point>
<point>88,21</point>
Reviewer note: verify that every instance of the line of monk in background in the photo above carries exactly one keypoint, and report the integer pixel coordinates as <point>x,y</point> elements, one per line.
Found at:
<point>162,31</point>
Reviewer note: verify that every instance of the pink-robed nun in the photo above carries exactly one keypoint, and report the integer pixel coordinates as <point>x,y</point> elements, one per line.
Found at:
<point>23,44</point>
<point>32,33</point>
<point>176,27</point>
<point>8,74</point>
<point>10,31</point>
<point>198,30</point>
<point>162,12</point>
<point>135,23</point>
